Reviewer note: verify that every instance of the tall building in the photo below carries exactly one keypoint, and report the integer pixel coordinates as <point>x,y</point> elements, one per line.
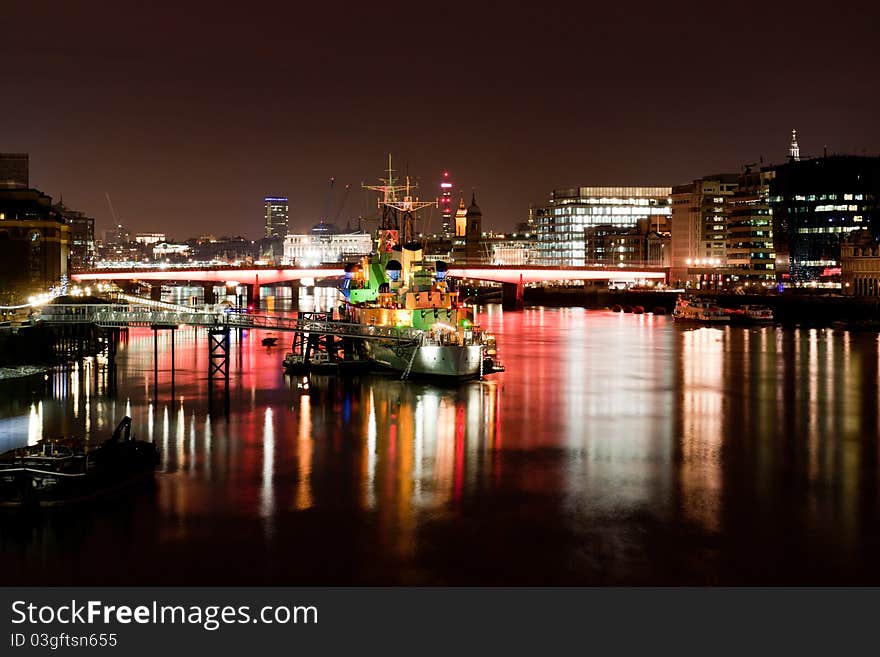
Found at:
<point>698,224</point>
<point>816,202</point>
<point>579,225</point>
<point>276,212</point>
<point>750,254</point>
<point>446,210</point>
<point>474,235</point>
<point>14,171</point>
<point>34,243</point>
<point>82,237</point>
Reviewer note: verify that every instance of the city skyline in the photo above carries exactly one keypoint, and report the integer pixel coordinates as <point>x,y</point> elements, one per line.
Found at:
<point>194,134</point>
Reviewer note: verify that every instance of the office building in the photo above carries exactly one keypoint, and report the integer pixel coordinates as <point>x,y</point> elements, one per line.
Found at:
<point>312,249</point>
<point>585,225</point>
<point>446,210</point>
<point>276,215</point>
<point>749,234</point>
<point>698,225</point>
<point>82,238</point>
<point>150,238</point>
<point>815,202</point>
<point>118,236</point>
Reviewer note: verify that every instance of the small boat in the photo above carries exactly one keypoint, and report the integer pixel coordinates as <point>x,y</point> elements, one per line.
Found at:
<point>754,314</point>
<point>492,366</point>
<point>61,471</point>
<point>269,342</point>
<point>319,363</point>
<point>699,311</point>
<point>294,363</point>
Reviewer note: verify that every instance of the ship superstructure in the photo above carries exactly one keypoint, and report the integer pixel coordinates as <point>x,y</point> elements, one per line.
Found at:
<point>396,287</point>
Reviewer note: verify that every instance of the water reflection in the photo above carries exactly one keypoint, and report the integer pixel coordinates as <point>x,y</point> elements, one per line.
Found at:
<point>617,448</point>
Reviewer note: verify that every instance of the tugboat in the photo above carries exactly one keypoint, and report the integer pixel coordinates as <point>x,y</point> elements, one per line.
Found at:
<point>61,471</point>
<point>699,311</point>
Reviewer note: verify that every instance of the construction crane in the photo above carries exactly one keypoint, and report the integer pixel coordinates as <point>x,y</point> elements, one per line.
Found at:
<point>326,214</point>
<point>112,211</point>
<point>342,204</point>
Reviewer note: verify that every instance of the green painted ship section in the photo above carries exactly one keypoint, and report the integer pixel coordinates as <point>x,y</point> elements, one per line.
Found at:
<point>363,295</point>
<point>377,277</point>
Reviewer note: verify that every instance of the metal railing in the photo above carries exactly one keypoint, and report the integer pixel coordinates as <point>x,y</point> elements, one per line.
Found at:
<point>119,316</point>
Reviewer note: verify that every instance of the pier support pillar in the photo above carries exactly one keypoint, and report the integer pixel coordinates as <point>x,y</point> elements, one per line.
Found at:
<point>218,363</point>
<point>156,292</point>
<point>252,296</point>
<point>512,295</point>
<point>210,297</point>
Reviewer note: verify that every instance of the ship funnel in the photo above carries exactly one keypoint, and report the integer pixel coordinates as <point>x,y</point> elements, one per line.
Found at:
<point>412,253</point>
<point>393,269</point>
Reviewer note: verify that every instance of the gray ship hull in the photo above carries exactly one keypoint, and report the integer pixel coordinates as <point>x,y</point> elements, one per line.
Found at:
<point>446,361</point>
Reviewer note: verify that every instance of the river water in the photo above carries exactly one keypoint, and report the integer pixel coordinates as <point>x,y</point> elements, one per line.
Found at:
<point>615,449</point>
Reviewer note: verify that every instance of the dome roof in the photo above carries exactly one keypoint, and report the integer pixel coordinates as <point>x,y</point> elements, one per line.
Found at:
<point>474,209</point>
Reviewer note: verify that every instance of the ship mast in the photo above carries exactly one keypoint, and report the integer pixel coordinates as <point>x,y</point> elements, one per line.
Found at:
<point>398,205</point>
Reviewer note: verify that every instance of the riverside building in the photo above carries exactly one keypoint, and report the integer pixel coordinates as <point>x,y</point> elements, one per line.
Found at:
<point>311,249</point>
<point>590,225</point>
<point>82,238</point>
<point>816,203</point>
<point>750,255</point>
<point>698,226</point>
<point>860,264</point>
<point>34,244</point>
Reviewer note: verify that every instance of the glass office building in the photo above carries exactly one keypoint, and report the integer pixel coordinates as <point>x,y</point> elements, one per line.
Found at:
<point>276,209</point>
<point>815,204</point>
<point>575,218</point>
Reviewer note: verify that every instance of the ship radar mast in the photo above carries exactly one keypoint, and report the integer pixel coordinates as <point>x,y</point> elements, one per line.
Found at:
<point>398,205</point>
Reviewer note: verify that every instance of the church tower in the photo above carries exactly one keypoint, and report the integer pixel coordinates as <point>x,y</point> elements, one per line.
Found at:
<point>461,219</point>
<point>474,235</point>
<point>794,151</point>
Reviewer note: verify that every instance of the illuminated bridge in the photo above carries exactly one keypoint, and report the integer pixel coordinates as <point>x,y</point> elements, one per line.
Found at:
<point>494,273</point>
<point>253,278</point>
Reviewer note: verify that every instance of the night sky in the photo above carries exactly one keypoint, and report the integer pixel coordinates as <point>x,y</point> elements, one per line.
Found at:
<point>187,117</point>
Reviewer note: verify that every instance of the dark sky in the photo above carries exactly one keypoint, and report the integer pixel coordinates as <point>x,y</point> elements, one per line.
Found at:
<point>188,114</point>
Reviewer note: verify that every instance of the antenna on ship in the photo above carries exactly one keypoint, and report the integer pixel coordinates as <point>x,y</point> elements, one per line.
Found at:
<point>398,214</point>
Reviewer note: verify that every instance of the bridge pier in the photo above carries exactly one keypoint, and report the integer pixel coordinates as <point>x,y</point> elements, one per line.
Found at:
<point>218,363</point>
<point>512,295</point>
<point>156,292</point>
<point>252,296</point>
<point>210,296</point>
